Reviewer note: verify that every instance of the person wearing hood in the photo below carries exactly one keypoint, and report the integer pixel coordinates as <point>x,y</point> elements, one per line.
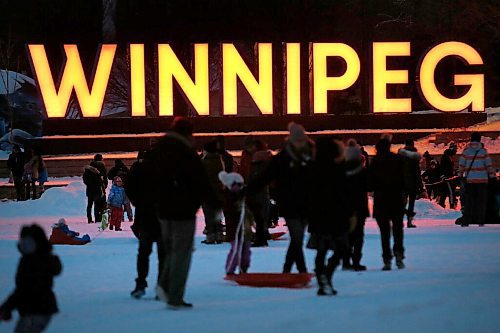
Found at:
<point>214,164</point>
<point>476,170</point>
<point>386,180</point>
<point>412,178</point>
<point>15,164</point>
<point>33,297</point>
<point>119,169</point>
<point>94,178</point>
<point>358,193</point>
<point>290,169</point>
<point>179,186</point>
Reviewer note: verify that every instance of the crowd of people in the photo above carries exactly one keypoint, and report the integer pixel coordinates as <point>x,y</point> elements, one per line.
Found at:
<point>318,186</point>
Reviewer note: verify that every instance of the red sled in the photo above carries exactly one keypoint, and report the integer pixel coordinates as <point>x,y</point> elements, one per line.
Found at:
<point>58,237</point>
<point>272,280</point>
<point>277,235</point>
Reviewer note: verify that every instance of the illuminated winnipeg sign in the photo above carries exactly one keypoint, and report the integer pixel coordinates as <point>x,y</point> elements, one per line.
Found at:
<point>194,82</point>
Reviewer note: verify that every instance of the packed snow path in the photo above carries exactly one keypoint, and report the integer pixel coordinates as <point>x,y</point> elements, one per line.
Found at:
<point>451,284</point>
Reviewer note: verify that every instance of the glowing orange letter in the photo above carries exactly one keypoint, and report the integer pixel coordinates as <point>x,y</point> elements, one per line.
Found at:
<point>137,80</point>
<point>382,77</point>
<point>234,67</point>
<point>475,95</point>
<point>321,82</point>
<point>293,78</point>
<point>169,67</point>
<point>73,77</point>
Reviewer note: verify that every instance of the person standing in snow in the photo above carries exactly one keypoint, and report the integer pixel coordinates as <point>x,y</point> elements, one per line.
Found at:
<point>227,158</point>
<point>234,203</point>
<point>95,180</point>
<point>331,211</point>
<point>447,168</point>
<point>116,201</point>
<point>119,169</point>
<point>290,170</point>
<point>412,178</point>
<point>386,180</point>
<point>476,170</point>
<point>358,194</point>
<point>181,185</point>
<point>33,296</point>
<point>214,164</point>
<point>15,164</point>
<point>34,170</point>
<point>146,226</point>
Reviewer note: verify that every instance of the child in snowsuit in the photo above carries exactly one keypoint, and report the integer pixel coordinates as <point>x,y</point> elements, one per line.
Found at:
<point>61,225</point>
<point>234,202</point>
<point>116,201</point>
<point>33,296</point>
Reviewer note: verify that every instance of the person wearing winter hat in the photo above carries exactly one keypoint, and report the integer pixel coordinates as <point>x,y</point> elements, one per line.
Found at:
<point>33,297</point>
<point>178,185</point>
<point>116,200</point>
<point>290,170</point>
<point>63,226</point>
<point>238,235</point>
<point>356,177</point>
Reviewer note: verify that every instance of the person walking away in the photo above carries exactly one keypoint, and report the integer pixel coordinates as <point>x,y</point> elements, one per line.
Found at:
<point>214,164</point>
<point>412,178</point>
<point>290,170</point>
<point>356,178</point>
<point>146,226</point>
<point>15,163</point>
<point>94,181</point>
<point>476,170</point>
<point>331,210</point>
<point>386,180</point>
<point>234,203</point>
<point>432,177</point>
<point>447,168</point>
<point>259,203</point>
<point>33,297</point>
<point>180,185</point>
<point>227,158</point>
<point>116,201</point>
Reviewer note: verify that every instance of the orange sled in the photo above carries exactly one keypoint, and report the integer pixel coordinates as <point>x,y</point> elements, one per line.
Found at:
<point>272,280</point>
<point>59,237</point>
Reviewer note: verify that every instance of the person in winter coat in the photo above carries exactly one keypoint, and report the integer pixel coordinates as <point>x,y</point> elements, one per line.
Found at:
<point>34,170</point>
<point>431,176</point>
<point>214,164</point>
<point>116,201</point>
<point>290,170</point>
<point>63,226</point>
<point>119,169</point>
<point>227,158</point>
<point>33,297</point>
<point>146,226</point>
<point>95,181</point>
<point>386,180</point>
<point>15,164</point>
<point>180,185</point>
<point>331,211</point>
<point>447,168</point>
<point>250,147</point>
<point>412,178</point>
<point>356,178</point>
<point>259,203</point>
<point>476,170</point>
<point>234,203</point>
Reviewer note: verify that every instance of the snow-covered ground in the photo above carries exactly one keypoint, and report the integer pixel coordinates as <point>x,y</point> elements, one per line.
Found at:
<point>451,284</point>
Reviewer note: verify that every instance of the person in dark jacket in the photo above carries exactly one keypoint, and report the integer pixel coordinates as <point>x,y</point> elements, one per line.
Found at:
<point>431,176</point>
<point>330,210</point>
<point>146,226</point>
<point>290,169</point>
<point>180,185</point>
<point>119,169</point>
<point>358,194</point>
<point>228,159</point>
<point>214,164</point>
<point>33,296</point>
<point>447,168</point>
<point>412,178</point>
<point>386,180</point>
<point>15,164</point>
<point>96,182</point>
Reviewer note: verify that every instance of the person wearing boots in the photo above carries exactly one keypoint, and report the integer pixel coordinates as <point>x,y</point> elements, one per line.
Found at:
<point>386,180</point>
<point>331,211</point>
<point>412,178</point>
<point>290,170</point>
<point>358,193</point>
<point>179,184</point>
<point>146,226</point>
<point>95,182</point>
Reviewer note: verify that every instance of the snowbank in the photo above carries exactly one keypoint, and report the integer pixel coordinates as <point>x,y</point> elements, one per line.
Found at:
<point>427,209</point>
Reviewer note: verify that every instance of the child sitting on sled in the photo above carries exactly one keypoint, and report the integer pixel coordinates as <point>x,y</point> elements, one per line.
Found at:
<point>116,201</point>
<point>238,231</point>
<point>62,226</point>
